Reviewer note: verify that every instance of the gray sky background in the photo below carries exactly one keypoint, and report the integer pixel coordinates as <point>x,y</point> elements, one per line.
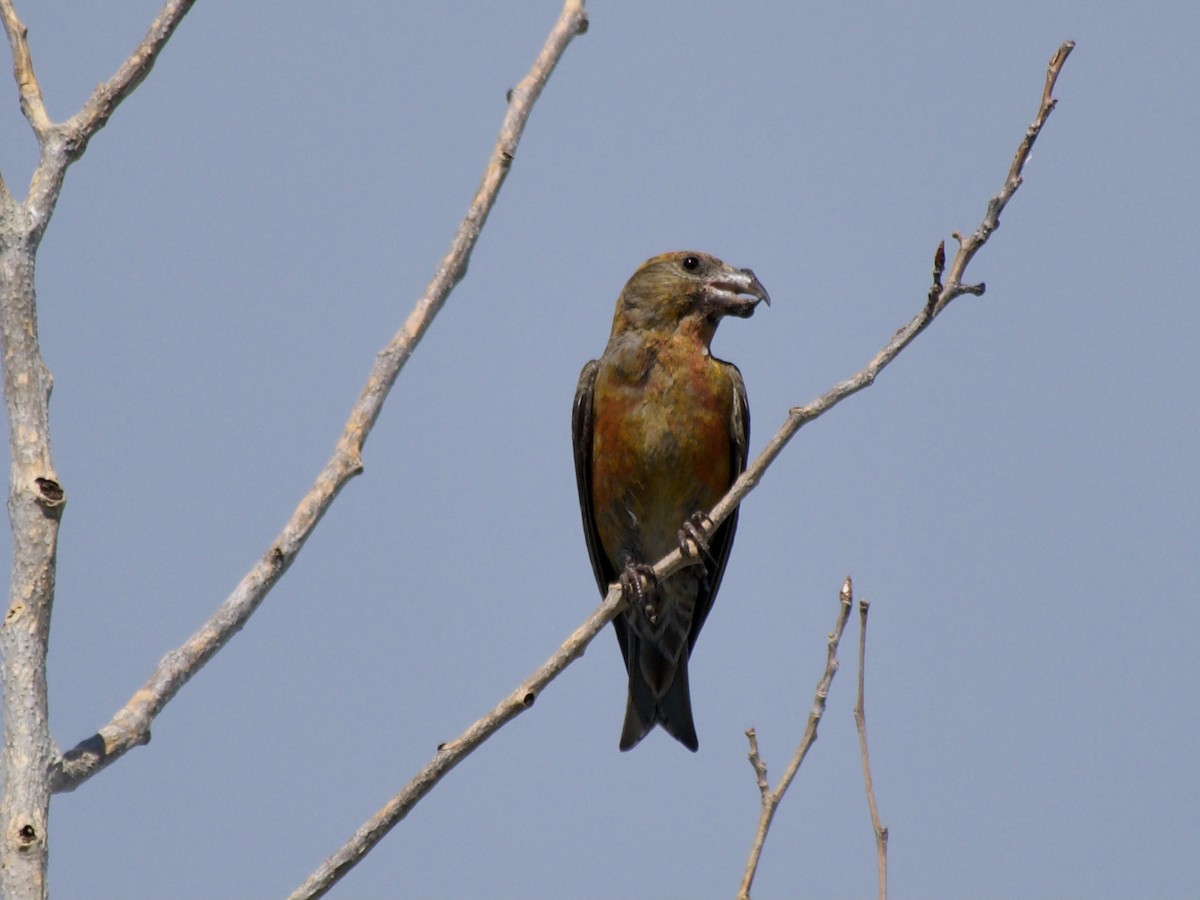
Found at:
<point>1017,494</point>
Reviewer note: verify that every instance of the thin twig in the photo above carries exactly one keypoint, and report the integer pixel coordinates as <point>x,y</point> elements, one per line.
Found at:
<point>970,245</point>
<point>860,721</point>
<point>32,106</point>
<point>130,726</point>
<point>770,799</point>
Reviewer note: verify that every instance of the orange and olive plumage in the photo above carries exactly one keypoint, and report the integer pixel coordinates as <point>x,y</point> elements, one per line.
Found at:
<point>660,429</point>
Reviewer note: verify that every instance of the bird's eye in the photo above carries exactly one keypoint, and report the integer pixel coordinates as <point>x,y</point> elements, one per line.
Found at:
<point>691,263</point>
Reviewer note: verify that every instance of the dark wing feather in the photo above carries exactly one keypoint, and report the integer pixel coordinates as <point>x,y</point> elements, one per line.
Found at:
<point>722,539</point>
<point>581,437</point>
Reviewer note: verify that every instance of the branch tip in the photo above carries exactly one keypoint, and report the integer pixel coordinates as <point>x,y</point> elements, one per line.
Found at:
<point>1052,71</point>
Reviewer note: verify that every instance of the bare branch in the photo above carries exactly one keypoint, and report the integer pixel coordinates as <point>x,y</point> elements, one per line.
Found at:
<point>108,96</point>
<point>27,84</point>
<point>770,799</point>
<point>130,726</point>
<point>860,721</point>
<point>62,144</point>
<point>939,298</point>
<point>450,754</point>
<point>758,764</point>
<point>970,245</point>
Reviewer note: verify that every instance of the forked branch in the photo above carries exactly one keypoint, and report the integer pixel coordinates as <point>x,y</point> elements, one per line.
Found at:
<point>61,143</point>
<point>770,799</point>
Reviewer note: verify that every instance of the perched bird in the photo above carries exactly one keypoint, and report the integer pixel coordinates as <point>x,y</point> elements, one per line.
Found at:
<point>660,430</point>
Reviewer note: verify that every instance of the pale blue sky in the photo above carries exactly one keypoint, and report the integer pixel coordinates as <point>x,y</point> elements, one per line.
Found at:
<point>1017,494</point>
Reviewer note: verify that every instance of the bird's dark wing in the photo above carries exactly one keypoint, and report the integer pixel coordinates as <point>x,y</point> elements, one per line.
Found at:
<point>581,436</point>
<point>722,539</point>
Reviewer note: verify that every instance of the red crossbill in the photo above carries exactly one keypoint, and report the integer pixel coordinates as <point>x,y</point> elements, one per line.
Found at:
<point>660,429</point>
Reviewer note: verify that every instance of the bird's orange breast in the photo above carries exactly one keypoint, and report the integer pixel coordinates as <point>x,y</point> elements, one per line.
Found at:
<point>662,446</point>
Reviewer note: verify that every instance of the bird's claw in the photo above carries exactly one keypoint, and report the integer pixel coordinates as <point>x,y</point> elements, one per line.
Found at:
<point>693,543</point>
<point>640,585</point>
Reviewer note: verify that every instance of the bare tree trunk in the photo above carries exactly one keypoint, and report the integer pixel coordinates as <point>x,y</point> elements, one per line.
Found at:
<point>35,502</point>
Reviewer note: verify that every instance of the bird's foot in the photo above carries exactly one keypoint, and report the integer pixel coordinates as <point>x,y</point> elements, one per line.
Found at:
<point>693,543</point>
<point>640,585</point>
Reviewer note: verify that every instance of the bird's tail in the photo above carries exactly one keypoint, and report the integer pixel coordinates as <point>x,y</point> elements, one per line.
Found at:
<point>643,710</point>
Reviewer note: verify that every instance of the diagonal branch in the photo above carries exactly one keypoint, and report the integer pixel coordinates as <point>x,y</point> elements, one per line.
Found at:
<point>130,726</point>
<point>939,298</point>
<point>450,754</point>
<point>108,96</point>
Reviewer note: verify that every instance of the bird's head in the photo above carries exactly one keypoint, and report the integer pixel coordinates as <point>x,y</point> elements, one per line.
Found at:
<point>686,289</point>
